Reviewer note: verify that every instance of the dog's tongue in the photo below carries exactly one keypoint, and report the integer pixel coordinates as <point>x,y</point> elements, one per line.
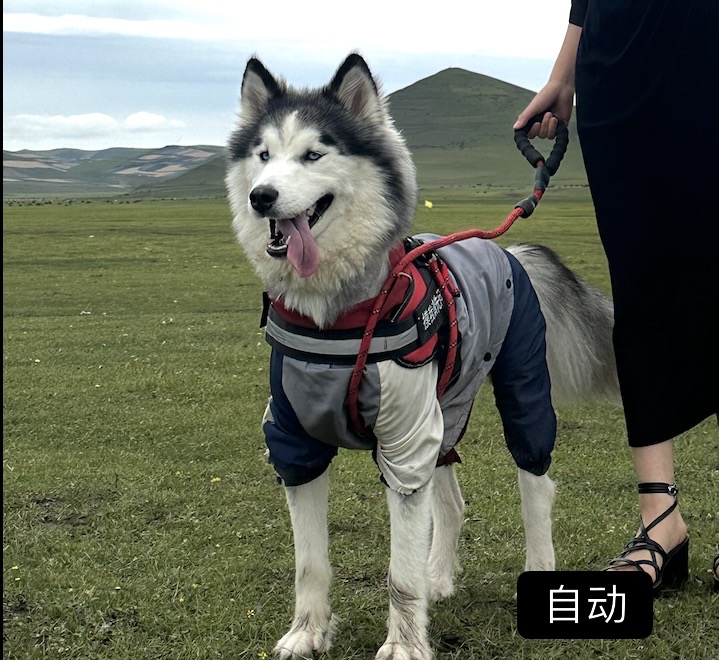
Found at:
<point>302,250</point>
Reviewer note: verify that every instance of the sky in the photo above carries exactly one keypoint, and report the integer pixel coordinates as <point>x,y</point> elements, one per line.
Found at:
<point>96,74</point>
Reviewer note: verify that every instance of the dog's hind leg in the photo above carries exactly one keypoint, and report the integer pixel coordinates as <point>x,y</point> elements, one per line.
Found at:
<point>410,519</point>
<point>312,627</point>
<point>447,517</point>
<point>537,497</point>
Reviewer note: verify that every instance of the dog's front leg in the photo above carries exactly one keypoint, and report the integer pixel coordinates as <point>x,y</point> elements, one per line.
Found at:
<point>410,519</point>
<point>537,497</point>
<point>447,518</point>
<point>312,627</point>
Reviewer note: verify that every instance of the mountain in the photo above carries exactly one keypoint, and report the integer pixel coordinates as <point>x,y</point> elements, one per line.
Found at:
<point>204,180</point>
<point>74,172</point>
<point>456,123</point>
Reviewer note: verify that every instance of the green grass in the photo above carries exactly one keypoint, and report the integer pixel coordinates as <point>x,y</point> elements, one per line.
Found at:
<point>141,520</point>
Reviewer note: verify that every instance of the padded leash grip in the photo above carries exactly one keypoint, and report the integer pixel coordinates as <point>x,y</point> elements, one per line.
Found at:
<point>561,142</point>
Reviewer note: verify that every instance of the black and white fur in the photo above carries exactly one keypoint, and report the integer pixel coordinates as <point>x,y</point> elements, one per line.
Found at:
<point>302,146</point>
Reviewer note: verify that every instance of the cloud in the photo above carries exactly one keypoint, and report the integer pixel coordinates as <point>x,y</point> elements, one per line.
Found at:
<point>149,121</point>
<point>77,25</point>
<point>489,29</point>
<point>89,131</point>
<point>76,71</point>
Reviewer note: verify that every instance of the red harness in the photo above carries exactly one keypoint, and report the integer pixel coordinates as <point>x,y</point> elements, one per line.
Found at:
<point>414,300</point>
<point>419,294</point>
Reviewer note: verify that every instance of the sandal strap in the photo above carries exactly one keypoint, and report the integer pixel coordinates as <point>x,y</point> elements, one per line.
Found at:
<point>622,562</point>
<point>657,487</point>
<point>639,543</point>
<point>642,540</point>
<point>636,544</point>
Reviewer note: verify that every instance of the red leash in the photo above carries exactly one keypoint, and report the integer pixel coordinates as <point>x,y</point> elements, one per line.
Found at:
<point>441,273</point>
<point>449,292</point>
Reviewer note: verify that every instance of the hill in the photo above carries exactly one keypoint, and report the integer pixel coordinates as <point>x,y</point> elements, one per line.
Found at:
<point>74,172</point>
<point>457,124</point>
<point>205,180</point>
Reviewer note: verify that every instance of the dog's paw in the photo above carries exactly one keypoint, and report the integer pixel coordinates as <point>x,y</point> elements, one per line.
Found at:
<point>304,641</point>
<point>540,561</point>
<point>397,651</point>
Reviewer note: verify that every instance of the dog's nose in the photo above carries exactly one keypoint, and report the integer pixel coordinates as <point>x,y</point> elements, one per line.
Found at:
<point>262,198</point>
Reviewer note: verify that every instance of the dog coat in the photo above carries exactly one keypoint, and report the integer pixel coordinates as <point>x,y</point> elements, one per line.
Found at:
<point>307,420</point>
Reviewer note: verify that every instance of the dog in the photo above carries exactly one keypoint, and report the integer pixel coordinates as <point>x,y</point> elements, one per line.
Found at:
<point>323,194</point>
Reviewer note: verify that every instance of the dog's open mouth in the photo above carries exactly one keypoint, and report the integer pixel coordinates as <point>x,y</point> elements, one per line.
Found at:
<point>291,238</point>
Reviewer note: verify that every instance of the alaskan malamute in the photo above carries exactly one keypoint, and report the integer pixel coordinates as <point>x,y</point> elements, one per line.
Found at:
<point>323,193</point>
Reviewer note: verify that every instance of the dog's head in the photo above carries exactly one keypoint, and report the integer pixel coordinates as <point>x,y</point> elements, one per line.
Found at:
<point>319,181</point>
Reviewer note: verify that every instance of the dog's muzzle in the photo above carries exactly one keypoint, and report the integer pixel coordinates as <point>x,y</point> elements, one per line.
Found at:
<point>277,247</point>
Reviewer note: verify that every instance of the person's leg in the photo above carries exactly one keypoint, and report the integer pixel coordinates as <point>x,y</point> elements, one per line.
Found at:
<point>639,205</point>
<point>654,464</point>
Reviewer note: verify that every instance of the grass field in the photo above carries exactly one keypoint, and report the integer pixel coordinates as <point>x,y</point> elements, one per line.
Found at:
<point>141,520</point>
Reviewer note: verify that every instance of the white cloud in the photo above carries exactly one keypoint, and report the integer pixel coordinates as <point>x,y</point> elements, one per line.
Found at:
<point>184,58</point>
<point>149,121</point>
<point>90,131</point>
<point>71,24</point>
<point>510,29</point>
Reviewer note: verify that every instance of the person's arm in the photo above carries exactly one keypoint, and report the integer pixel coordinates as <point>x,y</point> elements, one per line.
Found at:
<point>556,98</point>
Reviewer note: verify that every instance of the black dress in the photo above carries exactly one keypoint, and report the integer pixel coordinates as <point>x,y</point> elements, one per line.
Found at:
<point>648,123</point>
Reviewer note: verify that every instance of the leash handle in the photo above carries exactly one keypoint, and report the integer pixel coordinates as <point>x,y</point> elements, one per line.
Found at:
<point>561,141</point>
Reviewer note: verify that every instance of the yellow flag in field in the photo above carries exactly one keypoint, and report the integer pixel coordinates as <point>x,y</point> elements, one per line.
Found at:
<point>428,204</point>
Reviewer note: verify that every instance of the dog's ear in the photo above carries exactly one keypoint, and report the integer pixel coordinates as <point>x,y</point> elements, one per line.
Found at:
<point>258,87</point>
<point>357,90</point>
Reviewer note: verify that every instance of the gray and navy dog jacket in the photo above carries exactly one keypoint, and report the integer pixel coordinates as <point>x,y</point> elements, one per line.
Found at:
<point>502,334</point>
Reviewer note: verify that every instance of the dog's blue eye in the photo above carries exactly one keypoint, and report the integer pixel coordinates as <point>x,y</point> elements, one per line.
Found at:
<point>264,155</point>
<point>313,155</point>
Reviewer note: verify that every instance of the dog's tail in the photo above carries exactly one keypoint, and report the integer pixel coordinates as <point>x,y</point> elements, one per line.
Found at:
<point>579,319</point>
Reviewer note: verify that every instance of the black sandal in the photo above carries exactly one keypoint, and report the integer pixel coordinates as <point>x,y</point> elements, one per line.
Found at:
<point>674,570</point>
<point>715,567</point>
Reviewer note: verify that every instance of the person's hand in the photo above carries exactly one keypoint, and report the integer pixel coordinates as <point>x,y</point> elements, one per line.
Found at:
<point>556,101</point>
<point>547,128</point>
